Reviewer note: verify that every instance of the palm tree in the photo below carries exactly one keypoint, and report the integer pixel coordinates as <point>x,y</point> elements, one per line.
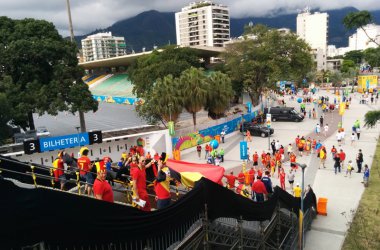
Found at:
<point>371,118</point>
<point>219,94</point>
<point>167,98</point>
<point>194,91</point>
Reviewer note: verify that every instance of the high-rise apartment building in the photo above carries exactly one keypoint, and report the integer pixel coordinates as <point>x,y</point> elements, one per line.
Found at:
<point>204,24</point>
<point>360,40</point>
<point>102,46</point>
<point>313,29</point>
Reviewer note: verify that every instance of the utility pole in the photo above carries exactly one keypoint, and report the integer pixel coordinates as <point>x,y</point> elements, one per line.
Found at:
<point>81,114</point>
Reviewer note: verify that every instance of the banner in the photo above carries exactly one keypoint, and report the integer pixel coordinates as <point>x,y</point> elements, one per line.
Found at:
<point>249,107</point>
<point>61,142</point>
<point>243,150</point>
<point>171,128</point>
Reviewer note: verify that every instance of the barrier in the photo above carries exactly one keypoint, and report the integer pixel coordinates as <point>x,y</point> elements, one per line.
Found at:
<point>322,206</point>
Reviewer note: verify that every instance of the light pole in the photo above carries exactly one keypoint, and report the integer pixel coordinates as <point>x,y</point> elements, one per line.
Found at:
<point>72,38</point>
<point>242,125</point>
<point>302,166</point>
<point>170,111</point>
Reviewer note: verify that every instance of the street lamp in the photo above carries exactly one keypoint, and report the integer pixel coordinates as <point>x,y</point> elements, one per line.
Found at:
<point>302,166</point>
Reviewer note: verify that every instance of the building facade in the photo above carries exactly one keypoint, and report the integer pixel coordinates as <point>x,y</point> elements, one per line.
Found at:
<point>360,41</point>
<point>313,28</point>
<point>203,24</point>
<point>101,46</point>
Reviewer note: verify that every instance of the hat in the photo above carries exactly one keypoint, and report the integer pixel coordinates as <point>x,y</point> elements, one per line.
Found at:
<point>84,151</point>
<point>298,184</point>
<point>163,157</point>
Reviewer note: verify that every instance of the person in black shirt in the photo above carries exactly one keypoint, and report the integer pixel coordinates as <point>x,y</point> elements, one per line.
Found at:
<point>359,161</point>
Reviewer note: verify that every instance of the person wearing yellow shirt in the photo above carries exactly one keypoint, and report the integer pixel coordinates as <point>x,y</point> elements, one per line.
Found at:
<point>297,191</point>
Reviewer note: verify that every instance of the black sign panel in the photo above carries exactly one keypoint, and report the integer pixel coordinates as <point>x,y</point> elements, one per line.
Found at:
<point>31,146</point>
<point>95,137</point>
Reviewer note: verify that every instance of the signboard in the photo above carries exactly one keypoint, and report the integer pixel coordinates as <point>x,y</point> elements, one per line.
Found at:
<point>367,82</point>
<point>95,137</point>
<point>66,141</point>
<point>171,128</point>
<point>243,150</point>
<point>249,107</point>
<point>269,120</point>
<point>31,146</point>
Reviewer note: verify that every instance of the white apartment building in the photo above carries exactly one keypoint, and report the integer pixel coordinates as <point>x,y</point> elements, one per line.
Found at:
<point>333,51</point>
<point>360,41</point>
<point>313,29</point>
<point>203,24</point>
<point>102,46</point>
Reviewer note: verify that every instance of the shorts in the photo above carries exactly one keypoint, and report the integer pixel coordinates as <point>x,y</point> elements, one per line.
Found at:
<point>300,149</point>
<point>291,182</point>
<point>255,163</point>
<point>293,165</point>
<point>89,178</point>
<point>62,179</point>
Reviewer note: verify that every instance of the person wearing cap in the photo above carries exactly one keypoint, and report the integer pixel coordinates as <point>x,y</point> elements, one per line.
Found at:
<point>102,189</point>
<point>162,183</point>
<point>297,191</point>
<point>84,164</point>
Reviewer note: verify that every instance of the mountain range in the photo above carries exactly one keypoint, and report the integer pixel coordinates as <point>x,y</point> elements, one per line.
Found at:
<point>153,28</point>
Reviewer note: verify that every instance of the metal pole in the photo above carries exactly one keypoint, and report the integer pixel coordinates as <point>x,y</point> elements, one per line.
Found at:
<point>302,193</point>
<point>242,125</point>
<point>269,140</point>
<point>70,21</point>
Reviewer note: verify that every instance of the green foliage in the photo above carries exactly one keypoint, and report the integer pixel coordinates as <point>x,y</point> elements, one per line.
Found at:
<point>336,78</point>
<point>195,90</point>
<point>371,118</point>
<point>147,69</point>
<point>39,71</point>
<point>347,66</point>
<point>355,20</point>
<point>372,56</point>
<point>355,56</point>
<point>219,94</point>
<point>5,116</point>
<point>258,63</point>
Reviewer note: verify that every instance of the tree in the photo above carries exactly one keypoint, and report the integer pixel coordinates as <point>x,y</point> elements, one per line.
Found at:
<point>219,94</point>
<point>266,58</point>
<point>39,71</point>
<point>347,66</point>
<point>336,78</point>
<point>354,55</point>
<point>194,91</point>
<point>147,69</point>
<point>5,117</point>
<point>357,20</point>
<point>371,118</point>
<point>372,56</point>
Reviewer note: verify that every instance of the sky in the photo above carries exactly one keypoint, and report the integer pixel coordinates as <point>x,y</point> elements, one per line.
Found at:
<point>88,15</point>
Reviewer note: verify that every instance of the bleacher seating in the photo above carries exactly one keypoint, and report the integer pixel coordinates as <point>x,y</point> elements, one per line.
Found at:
<point>89,78</point>
<point>116,85</point>
<point>95,79</point>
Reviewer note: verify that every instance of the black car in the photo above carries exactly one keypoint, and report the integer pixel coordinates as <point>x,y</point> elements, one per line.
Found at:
<point>284,114</point>
<point>256,129</point>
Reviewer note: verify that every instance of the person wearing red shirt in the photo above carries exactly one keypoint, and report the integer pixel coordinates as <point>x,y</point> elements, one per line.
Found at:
<point>342,156</point>
<point>251,174</point>
<point>102,189</point>
<point>255,159</point>
<point>162,184</point>
<point>231,180</point>
<point>139,183</point>
<point>313,144</point>
<point>84,164</point>
<point>263,159</point>
<point>297,140</point>
<point>282,179</point>
<point>258,188</point>
<point>293,160</point>
<point>260,172</point>
<point>58,171</point>
<point>267,160</point>
<point>240,177</point>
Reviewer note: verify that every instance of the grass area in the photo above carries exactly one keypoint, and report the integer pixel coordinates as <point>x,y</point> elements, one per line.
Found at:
<point>364,232</point>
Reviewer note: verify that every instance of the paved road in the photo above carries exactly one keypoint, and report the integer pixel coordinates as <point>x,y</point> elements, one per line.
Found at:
<point>109,116</point>
<point>343,193</point>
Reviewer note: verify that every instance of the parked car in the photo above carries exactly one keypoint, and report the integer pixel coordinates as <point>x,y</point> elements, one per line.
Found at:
<point>43,132</point>
<point>256,129</point>
<point>284,114</point>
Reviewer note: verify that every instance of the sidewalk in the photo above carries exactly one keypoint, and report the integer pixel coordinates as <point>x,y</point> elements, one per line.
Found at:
<point>343,193</point>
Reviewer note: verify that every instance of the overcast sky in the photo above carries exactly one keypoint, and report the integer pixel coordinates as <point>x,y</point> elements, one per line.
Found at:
<point>88,15</point>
